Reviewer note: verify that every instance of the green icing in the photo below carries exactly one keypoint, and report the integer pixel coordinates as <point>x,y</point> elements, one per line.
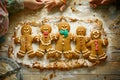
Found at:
<point>64,32</point>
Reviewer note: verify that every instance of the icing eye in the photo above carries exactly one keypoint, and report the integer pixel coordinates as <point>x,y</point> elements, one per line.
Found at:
<point>98,32</point>
<point>94,32</point>
<point>44,28</point>
<point>65,25</point>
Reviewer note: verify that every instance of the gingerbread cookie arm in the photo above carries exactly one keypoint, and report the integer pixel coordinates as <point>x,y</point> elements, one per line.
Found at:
<point>87,39</point>
<point>72,37</point>
<point>52,36</point>
<point>32,38</point>
<point>105,42</point>
<point>89,44</point>
<point>56,37</point>
<point>17,40</point>
<point>36,39</point>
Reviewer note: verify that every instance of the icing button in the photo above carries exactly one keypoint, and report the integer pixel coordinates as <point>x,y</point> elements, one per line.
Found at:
<point>63,43</point>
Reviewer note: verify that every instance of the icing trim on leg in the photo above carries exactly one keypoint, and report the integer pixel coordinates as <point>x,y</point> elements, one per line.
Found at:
<point>51,53</point>
<point>92,58</point>
<point>76,54</point>
<point>103,56</point>
<point>21,54</point>
<point>40,53</point>
<point>68,54</point>
<point>59,51</point>
<point>77,51</point>
<point>31,53</point>
<point>86,53</point>
<point>41,50</point>
<point>50,49</point>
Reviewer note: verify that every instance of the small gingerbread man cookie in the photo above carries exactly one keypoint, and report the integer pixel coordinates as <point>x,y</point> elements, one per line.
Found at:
<point>25,41</point>
<point>45,40</point>
<point>80,41</point>
<point>96,45</point>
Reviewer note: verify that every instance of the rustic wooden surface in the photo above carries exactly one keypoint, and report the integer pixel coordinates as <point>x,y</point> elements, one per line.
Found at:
<point>107,71</point>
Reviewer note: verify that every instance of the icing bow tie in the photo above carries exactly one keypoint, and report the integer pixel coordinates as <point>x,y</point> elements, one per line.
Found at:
<point>64,32</point>
<point>46,34</point>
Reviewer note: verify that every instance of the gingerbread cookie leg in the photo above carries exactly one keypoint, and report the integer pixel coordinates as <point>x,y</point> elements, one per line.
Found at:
<point>76,54</point>
<point>86,53</point>
<point>31,53</point>
<point>21,54</point>
<point>68,55</point>
<point>40,53</point>
<point>102,57</point>
<point>51,53</point>
<point>93,56</point>
<point>58,54</point>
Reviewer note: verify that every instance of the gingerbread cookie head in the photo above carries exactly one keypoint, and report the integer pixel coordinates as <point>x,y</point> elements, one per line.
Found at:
<point>63,26</point>
<point>46,29</point>
<point>26,29</point>
<point>95,34</point>
<point>81,30</point>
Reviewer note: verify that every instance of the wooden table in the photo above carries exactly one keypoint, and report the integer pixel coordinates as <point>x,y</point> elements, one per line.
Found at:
<point>111,24</point>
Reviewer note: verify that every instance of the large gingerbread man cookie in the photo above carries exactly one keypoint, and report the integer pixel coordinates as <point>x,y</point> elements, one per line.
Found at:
<point>96,44</point>
<point>63,40</point>
<point>25,41</point>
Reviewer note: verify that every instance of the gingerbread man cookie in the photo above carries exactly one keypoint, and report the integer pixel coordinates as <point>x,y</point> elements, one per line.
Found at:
<point>45,40</point>
<point>80,41</point>
<point>96,44</point>
<point>25,41</point>
<point>63,40</point>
